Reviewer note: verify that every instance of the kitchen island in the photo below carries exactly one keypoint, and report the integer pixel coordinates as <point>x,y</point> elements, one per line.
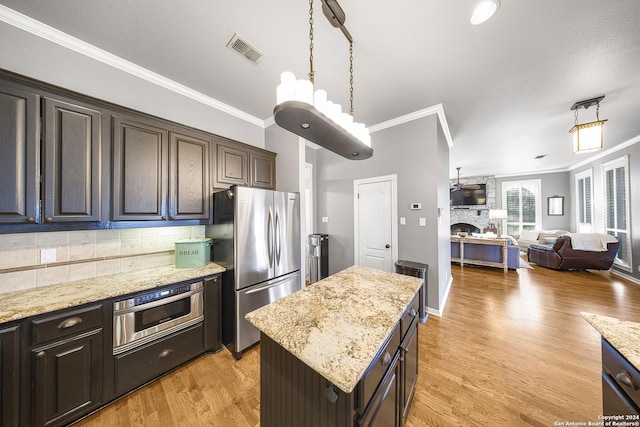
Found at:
<point>340,352</point>
<point>620,365</point>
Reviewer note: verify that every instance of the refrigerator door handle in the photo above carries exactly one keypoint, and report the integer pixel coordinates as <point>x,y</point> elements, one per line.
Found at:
<point>270,237</point>
<point>270,284</point>
<point>278,240</point>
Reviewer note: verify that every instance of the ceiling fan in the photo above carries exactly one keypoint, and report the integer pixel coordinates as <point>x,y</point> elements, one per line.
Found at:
<point>458,186</point>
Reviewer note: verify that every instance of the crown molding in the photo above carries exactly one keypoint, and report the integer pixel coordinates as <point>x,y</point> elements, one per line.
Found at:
<point>63,39</point>
<point>434,109</point>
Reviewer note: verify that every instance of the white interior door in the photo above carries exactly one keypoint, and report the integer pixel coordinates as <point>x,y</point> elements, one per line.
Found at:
<point>375,226</point>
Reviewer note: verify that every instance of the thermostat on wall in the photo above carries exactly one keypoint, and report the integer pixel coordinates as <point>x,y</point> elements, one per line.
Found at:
<point>416,206</point>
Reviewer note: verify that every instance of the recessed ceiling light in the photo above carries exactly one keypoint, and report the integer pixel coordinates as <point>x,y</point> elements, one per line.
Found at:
<point>484,10</point>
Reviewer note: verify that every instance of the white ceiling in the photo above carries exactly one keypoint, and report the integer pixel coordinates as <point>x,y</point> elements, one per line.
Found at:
<point>506,86</point>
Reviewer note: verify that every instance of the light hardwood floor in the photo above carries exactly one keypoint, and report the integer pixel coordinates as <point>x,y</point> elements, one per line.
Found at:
<point>510,350</point>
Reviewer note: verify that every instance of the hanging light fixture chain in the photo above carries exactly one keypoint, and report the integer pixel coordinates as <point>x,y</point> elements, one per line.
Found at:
<point>576,115</point>
<point>351,77</point>
<point>311,72</point>
<point>598,112</point>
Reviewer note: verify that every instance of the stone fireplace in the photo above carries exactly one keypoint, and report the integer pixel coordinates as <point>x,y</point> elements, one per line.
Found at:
<point>474,216</point>
<point>461,226</point>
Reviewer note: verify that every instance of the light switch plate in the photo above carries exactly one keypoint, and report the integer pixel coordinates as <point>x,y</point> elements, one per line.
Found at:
<point>423,222</point>
<point>325,219</point>
<point>403,220</point>
<point>47,256</point>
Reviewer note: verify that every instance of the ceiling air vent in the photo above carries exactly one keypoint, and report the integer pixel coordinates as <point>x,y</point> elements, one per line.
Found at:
<point>245,49</point>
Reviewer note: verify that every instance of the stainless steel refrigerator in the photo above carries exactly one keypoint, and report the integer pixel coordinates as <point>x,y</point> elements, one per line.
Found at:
<point>256,237</point>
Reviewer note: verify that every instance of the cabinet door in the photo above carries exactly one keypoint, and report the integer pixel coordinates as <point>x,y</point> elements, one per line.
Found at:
<point>9,376</point>
<point>139,171</point>
<point>409,367</point>
<point>189,177</point>
<point>20,159</point>
<point>232,166</point>
<point>72,162</point>
<point>67,379</point>
<point>213,314</point>
<point>383,408</point>
<point>263,170</point>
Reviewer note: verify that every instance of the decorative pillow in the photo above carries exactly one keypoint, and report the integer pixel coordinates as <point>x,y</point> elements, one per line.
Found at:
<point>530,235</point>
<point>546,240</point>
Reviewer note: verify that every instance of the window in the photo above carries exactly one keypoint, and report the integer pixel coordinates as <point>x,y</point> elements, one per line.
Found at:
<point>616,204</point>
<point>523,202</point>
<point>584,206</point>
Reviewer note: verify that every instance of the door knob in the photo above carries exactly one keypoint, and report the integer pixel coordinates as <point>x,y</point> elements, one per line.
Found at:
<point>387,246</point>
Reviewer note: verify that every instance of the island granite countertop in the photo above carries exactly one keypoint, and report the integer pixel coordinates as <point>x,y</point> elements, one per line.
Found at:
<point>18,305</point>
<point>624,335</point>
<point>337,325</point>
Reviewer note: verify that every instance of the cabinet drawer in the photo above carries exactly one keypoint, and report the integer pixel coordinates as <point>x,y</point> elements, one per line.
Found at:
<point>621,371</point>
<point>136,367</point>
<point>376,371</point>
<point>410,313</point>
<point>65,324</point>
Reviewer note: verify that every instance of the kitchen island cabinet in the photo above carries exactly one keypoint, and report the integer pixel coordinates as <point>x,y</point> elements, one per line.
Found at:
<point>336,352</point>
<point>620,365</point>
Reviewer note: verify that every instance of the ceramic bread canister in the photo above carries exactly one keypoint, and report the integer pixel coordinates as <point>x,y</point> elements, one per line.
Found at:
<point>193,252</point>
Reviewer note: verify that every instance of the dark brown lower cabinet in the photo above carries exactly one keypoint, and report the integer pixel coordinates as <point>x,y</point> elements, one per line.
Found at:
<point>9,376</point>
<point>409,367</point>
<point>620,383</point>
<point>67,379</point>
<point>138,366</point>
<point>382,410</point>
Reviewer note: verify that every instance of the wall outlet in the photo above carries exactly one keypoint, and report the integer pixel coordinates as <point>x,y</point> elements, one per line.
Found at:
<point>325,219</point>
<point>47,256</point>
<point>423,222</point>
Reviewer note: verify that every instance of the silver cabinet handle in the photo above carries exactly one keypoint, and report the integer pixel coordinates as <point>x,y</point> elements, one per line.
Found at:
<point>413,312</point>
<point>165,353</point>
<point>625,378</point>
<point>386,359</point>
<point>40,354</point>
<point>70,323</point>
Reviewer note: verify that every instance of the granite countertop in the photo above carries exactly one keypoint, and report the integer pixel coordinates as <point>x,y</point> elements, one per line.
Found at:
<point>18,305</point>
<point>337,325</point>
<point>624,335</point>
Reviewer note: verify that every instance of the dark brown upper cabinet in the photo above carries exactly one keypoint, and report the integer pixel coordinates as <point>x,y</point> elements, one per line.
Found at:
<point>140,153</point>
<point>158,174</point>
<point>263,169</point>
<point>71,162</point>
<point>189,177</point>
<point>240,164</point>
<point>232,165</point>
<point>20,159</point>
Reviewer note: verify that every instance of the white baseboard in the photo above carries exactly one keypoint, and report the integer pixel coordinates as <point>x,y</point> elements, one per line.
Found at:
<point>625,276</point>
<point>443,302</point>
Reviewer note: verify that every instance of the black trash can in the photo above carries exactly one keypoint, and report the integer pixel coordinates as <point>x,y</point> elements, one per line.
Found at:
<point>416,269</point>
<point>318,245</point>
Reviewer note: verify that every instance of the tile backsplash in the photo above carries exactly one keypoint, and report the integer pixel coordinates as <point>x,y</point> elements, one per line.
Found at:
<point>85,254</point>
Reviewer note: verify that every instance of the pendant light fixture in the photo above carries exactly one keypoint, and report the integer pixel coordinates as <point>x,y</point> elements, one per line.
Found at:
<point>310,114</point>
<point>587,136</point>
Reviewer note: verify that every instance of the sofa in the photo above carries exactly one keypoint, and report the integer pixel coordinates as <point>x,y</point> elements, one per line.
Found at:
<point>584,251</point>
<point>538,237</point>
<point>488,253</point>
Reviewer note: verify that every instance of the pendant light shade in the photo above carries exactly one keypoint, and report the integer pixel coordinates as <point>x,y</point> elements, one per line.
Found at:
<point>587,137</point>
